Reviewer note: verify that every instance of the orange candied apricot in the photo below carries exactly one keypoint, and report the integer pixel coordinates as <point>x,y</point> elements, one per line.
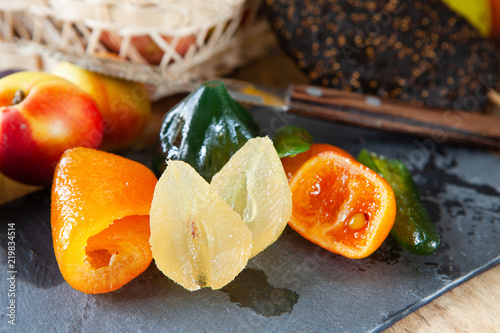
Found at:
<point>100,219</point>
<point>341,205</point>
<point>292,164</point>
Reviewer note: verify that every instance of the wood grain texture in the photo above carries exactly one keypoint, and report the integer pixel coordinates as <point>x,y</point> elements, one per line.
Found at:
<point>471,307</point>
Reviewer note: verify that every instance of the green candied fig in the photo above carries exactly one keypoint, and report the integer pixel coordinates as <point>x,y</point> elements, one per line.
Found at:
<point>292,140</point>
<point>413,227</point>
<point>204,130</point>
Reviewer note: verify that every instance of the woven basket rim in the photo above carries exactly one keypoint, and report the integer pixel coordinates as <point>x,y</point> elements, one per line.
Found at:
<point>157,56</point>
<point>133,17</point>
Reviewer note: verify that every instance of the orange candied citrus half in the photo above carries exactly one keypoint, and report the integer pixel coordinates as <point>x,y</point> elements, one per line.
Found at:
<point>342,205</point>
<point>100,219</point>
<point>292,164</point>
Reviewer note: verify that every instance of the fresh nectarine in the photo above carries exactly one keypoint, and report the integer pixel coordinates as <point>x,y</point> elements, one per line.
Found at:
<point>42,115</point>
<point>124,105</point>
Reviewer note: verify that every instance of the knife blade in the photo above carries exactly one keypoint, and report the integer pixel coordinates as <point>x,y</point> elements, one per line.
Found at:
<point>440,125</point>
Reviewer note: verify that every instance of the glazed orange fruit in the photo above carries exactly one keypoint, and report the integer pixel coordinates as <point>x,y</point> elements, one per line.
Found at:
<point>293,163</point>
<point>341,205</point>
<point>100,219</point>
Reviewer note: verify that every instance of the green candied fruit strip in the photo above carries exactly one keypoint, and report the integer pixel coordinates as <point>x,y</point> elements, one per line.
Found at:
<point>413,227</point>
<point>292,140</point>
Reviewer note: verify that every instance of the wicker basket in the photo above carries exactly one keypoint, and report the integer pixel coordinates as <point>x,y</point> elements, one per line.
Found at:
<point>162,42</point>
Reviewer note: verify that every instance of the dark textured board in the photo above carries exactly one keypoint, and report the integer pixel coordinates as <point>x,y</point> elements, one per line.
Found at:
<point>294,285</point>
<point>419,51</point>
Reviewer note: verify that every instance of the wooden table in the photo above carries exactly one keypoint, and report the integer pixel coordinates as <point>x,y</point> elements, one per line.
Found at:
<point>472,307</point>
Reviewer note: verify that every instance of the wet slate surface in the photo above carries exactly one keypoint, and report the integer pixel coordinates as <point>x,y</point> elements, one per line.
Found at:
<point>294,285</point>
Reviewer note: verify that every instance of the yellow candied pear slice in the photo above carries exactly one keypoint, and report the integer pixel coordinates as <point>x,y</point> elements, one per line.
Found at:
<point>254,184</point>
<point>197,240</point>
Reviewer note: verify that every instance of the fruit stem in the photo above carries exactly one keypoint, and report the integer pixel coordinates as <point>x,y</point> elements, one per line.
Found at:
<point>18,97</point>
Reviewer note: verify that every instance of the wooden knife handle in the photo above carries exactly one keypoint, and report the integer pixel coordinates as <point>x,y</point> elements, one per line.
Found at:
<point>438,124</point>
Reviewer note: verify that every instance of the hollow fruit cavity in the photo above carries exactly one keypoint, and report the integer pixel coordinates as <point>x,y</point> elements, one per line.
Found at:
<point>100,258</point>
<point>109,245</point>
<point>100,206</point>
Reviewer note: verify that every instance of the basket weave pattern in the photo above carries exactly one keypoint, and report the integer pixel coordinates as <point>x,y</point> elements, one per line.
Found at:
<point>155,41</point>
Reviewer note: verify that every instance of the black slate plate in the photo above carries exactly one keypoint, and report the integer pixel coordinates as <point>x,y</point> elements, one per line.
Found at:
<point>292,286</point>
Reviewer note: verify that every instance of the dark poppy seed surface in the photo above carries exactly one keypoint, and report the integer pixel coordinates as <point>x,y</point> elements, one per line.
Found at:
<point>416,51</point>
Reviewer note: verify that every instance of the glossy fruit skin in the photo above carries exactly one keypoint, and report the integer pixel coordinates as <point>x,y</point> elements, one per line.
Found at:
<point>413,228</point>
<point>124,105</point>
<point>54,115</point>
<point>327,191</point>
<point>292,140</point>
<point>100,202</point>
<point>292,164</point>
<point>204,130</point>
